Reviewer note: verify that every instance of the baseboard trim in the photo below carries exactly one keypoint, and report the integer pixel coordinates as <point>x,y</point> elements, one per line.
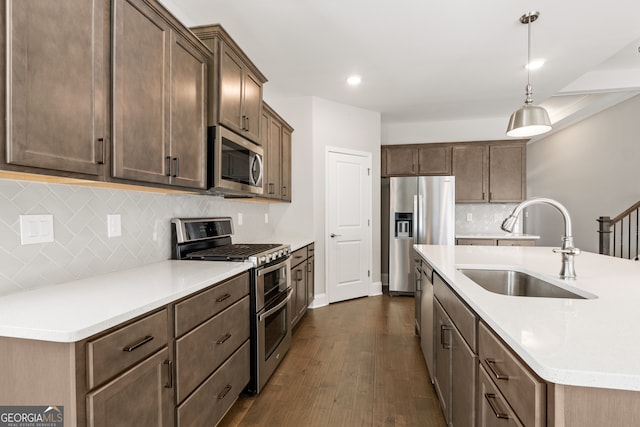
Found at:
<point>319,300</point>
<point>375,288</point>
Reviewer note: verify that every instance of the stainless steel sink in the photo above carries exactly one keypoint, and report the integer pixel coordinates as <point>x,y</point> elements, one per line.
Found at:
<point>516,283</point>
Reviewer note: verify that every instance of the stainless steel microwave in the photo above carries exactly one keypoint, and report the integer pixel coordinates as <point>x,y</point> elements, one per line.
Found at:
<point>234,163</point>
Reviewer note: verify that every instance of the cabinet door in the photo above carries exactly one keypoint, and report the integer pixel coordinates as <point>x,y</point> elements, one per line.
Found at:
<point>434,160</point>
<point>141,397</point>
<point>140,93</point>
<point>188,114</point>
<point>469,165</point>
<point>274,158</point>
<point>251,106</point>
<point>310,280</point>
<point>507,166</point>
<point>426,320</point>
<point>231,77</point>
<point>464,368</point>
<point>286,165</point>
<point>402,161</point>
<point>299,274</point>
<point>442,378</point>
<point>57,72</point>
<point>493,409</point>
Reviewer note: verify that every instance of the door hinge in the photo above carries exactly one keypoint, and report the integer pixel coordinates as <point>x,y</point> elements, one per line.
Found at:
<point>369,222</point>
<point>368,171</point>
<point>368,273</point>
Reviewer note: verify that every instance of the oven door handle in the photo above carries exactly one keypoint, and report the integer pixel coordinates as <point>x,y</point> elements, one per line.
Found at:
<point>265,270</point>
<point>268,313</point>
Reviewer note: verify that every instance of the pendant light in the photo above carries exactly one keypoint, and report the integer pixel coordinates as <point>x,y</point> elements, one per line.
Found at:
<point>530,119</point>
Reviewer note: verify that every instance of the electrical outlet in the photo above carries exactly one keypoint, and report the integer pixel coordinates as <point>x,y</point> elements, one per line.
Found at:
<point>240,218</point>
<point>114,225</point>
<point>266,218</point>
<point>36,229</point>
<point>469,217</point>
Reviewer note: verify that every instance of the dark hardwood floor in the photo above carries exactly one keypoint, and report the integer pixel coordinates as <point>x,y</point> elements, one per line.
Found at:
<point>354,363</point>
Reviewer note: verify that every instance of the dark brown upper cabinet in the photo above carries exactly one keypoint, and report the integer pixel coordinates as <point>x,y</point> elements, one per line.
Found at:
<point>276,142</point>
<point>57,75</point>
<point>159,98</point>
<point>422,160</point>
<point>235,85</point>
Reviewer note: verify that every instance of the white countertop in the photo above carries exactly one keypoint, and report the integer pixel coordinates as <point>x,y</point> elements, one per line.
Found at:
<point>590,342</point>
<point>501,236</point>
<point>76,310</point>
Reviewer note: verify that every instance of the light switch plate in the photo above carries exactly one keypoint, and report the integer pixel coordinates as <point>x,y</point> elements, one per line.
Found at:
<point>266,218</point>
<point>114,225</point>
<point>36,229</point>
<point>239,218</point>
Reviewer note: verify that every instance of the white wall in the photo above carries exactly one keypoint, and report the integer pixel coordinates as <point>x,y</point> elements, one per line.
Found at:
<point>318,124</point>
<point>486,129</point>
<point>342,126</point>
<point>591,168</point>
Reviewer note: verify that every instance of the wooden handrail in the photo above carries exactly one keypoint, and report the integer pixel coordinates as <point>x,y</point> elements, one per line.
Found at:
<point>626,212</point>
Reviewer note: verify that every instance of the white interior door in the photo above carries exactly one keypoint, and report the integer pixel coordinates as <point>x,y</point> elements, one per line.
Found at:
<point>348,242</point>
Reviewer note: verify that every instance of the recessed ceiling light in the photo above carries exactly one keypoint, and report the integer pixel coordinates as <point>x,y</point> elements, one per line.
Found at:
<point>354,80</point>
<point>535,64</point>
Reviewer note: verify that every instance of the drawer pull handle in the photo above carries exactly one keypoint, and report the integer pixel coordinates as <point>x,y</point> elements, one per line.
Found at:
<point>140,343</point>
<point>226,391</point>
<point>223,297</point>
<point>223,339</point>
<point>492,367</point>
<point>491,400</point>
<point>169,383</point>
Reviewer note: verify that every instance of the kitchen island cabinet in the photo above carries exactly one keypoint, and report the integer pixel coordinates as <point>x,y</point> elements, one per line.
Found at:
<point>540,343</point>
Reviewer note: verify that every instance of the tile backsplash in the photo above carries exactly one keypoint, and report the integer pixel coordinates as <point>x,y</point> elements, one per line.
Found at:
<point>81,247</point>
<point>486,218</point>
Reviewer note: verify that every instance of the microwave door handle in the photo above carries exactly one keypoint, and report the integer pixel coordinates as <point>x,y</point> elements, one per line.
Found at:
<point>268,313</point>
<point>257,158</point>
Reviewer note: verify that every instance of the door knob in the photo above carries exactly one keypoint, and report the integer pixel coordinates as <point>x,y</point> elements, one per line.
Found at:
<point>335,235</point>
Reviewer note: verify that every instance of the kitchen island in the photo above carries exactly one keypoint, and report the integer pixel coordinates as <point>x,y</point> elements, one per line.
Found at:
<point>587,351</point>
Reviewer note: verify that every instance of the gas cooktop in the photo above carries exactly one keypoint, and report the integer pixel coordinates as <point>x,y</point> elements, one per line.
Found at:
<point>209,239</point>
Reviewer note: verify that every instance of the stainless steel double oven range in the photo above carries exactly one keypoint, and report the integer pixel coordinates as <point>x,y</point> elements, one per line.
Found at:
<point>209,239</point>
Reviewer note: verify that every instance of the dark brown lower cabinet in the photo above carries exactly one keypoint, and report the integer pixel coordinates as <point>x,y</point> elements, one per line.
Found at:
<point>456,372</point>
<point>141,397</point>
<point>493,409</point>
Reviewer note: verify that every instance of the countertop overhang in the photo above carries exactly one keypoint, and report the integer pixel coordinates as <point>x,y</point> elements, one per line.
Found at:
<point>590,342</point>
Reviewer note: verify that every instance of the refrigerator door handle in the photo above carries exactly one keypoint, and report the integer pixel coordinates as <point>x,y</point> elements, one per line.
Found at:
<point>416,218</point>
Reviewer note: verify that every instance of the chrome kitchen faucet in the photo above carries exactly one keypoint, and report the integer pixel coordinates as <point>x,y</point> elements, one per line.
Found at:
<point>568,251</point>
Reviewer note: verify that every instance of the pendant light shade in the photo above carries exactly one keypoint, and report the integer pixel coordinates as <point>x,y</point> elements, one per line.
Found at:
<point>529,120</point>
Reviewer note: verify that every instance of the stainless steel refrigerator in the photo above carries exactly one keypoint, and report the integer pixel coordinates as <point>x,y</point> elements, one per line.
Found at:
<point>421,211</point>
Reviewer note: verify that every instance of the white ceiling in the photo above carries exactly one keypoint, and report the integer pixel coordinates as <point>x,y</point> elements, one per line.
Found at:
<point>430,61</point>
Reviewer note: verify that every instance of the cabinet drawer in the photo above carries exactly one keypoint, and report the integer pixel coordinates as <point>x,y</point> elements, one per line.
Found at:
<point>198,308</point>
<point>206,406</point>
<point>476,242</point>
<point>522,389</point>
<point>298,256</point>
<point>516,242</point>
<point>464,319</point>
<point>494,411</point>
<point>113,353</point>
<point>202,350</point>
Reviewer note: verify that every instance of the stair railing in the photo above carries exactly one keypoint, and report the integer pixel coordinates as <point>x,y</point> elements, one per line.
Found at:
<point>619,236</point>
